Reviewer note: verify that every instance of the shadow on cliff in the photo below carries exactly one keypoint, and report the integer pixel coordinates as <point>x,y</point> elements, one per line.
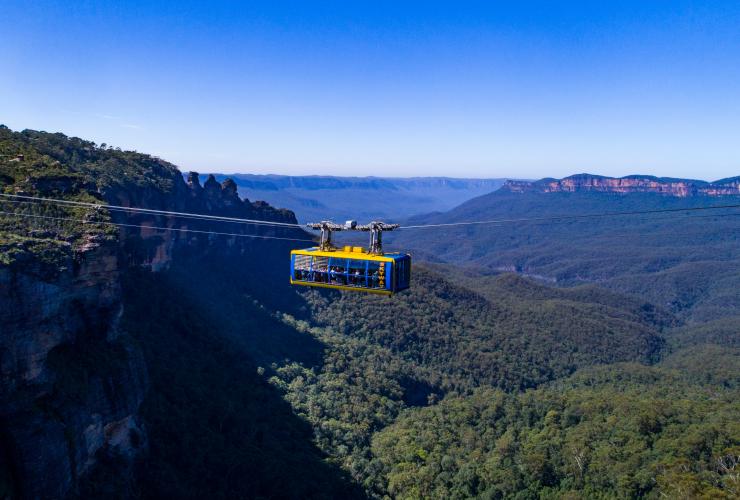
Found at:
<point>8,473</point>
<point>241,298</point>
<point>216,427</point>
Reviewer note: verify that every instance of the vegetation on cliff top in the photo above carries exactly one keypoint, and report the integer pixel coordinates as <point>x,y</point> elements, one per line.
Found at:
<point>55,163</point>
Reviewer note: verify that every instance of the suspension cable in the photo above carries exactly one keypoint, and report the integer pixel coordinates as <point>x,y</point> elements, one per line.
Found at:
<point>151,211</point>
<point>141,226</point>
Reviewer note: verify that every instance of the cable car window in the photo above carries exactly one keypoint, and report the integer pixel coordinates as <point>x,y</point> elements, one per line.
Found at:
<point>302,268</point>
<point>338,271</point>
<point>321,269</point>
<point>398,274</point>
<point>403,273</point>
<point>357,273</point>
<point>373,275</point>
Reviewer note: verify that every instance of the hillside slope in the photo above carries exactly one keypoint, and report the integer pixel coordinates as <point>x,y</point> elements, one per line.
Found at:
<point>517,337</point>
<point>686,262</point>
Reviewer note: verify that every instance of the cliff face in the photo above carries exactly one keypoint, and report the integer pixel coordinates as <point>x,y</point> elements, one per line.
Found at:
<point>72,380</point>
<point>154,247</point>
<point>71,385</point>
<point>630,184</point>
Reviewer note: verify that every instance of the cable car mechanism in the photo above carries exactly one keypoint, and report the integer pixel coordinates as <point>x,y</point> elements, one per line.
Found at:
<point>351,268</point>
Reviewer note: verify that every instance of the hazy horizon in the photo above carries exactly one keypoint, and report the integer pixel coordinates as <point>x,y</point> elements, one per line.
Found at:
<point>266,174</point>
<point>529,90</point>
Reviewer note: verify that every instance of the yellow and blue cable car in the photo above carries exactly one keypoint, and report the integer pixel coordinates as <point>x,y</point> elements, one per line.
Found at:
<point>351,268</point>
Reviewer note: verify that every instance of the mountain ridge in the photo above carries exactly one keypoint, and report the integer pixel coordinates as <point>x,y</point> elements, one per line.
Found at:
<point>277,181</point>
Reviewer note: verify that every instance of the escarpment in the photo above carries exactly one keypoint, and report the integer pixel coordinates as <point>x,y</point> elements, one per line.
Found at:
<point>72,379</point>
<point>630,184</point>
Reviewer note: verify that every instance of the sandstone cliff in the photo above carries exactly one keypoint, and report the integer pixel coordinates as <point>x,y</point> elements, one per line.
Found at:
<point>629,184</point>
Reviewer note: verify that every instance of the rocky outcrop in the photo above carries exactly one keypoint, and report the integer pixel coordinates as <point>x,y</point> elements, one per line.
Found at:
<point>162,237</point>
<point>630,184</point>
<point>194,184</point>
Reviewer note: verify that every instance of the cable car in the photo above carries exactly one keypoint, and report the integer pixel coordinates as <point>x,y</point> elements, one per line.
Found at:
<point>351,268</point>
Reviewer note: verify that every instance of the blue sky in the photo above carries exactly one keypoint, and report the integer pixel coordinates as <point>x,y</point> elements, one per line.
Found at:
<point>476,89</point>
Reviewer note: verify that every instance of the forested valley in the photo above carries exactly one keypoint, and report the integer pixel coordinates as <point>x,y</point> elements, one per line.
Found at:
<point>506,371</point>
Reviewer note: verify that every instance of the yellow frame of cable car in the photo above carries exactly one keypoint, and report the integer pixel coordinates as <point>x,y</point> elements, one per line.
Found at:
<point>344,253</point>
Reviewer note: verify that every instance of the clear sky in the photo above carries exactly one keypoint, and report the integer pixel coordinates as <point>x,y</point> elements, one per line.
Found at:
<point>478,89</point>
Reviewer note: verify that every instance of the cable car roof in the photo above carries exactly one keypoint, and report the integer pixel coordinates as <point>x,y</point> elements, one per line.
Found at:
<point>349,252</point>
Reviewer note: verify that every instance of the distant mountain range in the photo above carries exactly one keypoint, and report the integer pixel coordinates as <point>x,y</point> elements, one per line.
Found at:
<point>361,198</point>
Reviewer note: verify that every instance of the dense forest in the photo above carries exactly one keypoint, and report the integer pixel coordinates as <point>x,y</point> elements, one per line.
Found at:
<point>474,383</point>
<point>621,431</point>
<point>517,338</point>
